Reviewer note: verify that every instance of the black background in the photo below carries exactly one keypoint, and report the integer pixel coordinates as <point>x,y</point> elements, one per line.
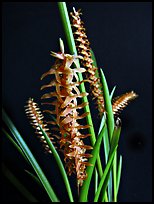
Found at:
<point>121,37</point>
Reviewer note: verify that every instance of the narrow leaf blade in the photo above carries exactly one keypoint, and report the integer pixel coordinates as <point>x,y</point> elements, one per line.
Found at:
<point>34,177</point>
<point>108,106</point>
<point>119,173</point>
<point>95,152</point>
<point>105,177</point>
<point>30,157</point>
<point>112,92</point>
<point>15,144</point>
<point>15,181</point>
<point>114,142</point>
<point>94,62</point>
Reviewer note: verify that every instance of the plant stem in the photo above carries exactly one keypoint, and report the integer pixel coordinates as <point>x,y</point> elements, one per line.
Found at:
<point>72,47</point>
<point>59,163</point>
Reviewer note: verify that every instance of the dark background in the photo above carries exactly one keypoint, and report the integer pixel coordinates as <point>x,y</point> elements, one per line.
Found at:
<point>121,37</point>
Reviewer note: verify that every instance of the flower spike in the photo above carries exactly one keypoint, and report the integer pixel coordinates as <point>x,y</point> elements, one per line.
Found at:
<point>65,91</point>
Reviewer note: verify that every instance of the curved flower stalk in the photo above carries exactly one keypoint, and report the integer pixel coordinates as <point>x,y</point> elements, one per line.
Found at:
<point>64,90</point>
<point>36,118</point>
<point>83,47</point>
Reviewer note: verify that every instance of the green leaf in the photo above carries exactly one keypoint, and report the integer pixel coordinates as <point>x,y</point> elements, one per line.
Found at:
<point>30,157</point>
<point>114,142</point>
<point>59,163</point>
<point>104,180</point>
<point>112,92</point>
<point>72,47</point>
<point>119,173</point>
<point>105,138</point>
<point>67,27</point>
<point>110,125</point>
<point>106,152</point>
<point>93,58</point>
<point>96,179</point>
<point>115,138</point>
<point>94,63</point>
<point>34,177</point>
<point>108,106</point>
<point>115,178</point>
<point>103,119</point>
<point>15,144</point>
<point>95,152</point>
<point>13,179</point>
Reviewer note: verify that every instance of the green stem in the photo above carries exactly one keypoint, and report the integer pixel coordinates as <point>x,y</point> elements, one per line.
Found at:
<point>60,164</point>
<point>72,48</point>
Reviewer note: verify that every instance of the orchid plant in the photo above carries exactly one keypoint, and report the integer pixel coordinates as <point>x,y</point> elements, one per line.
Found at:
<point>66,101</point>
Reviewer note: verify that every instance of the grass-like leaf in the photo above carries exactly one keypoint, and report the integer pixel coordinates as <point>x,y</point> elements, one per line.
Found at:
<point>94,63</point>
<point>109,121</point>
<point>113,148</point>
<point>115,178</point>
<point>15,181</point>
<point>112,92</point>
<point>14,144</point>
<point>105,138</point>
<point>108,106</point>
<point>72,48</point>
<point>59,163</point>
<point>71,44</point>
<point>96,179</point>
<point>85,188</point>
<point>30,157</point>
<point>93,58</point>
<point>114,141</point>
<point>119,173</point>
<point>106,152</point>
<point>67,27</point>
<point>22,153</point>
<point>104,180</point>
<point>115,138</point>
<point>34,177</point>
